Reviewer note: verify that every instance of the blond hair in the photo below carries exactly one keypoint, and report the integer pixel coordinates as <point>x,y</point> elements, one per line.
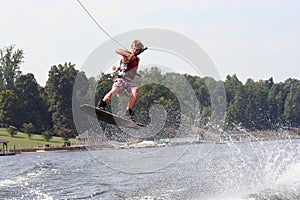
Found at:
<point>137,44</point>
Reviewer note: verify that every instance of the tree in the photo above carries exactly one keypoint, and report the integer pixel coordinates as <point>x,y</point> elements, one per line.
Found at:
<point>151,94</point>
<point>235,114</point>
<point>275,106</point>
<point>257,108</point>
<point>31,104</point>
<point>103,86</point>
<point>59,89</point>
<point>28,128</point>
<point>12,131</point>
<point>8,101</point>
<point>292,106</point>
<point>81,95</point>
<point>47,135</point>
<point>10,61</point>
<point>232,83</point>
<point>236,98</point>
<point>218,101</point>
<point>205,117</point>
<point>46,117</point>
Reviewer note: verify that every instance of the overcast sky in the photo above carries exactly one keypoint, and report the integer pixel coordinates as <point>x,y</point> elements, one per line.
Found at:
<point>255,39</point>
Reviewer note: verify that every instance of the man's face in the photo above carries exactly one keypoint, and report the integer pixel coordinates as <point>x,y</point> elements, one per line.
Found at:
<point>135,50</point>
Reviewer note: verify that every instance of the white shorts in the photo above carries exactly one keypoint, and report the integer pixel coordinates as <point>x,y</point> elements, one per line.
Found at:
<point>125,87</point>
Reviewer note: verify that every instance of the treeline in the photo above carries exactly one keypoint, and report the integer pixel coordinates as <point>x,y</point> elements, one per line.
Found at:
<point>28,106</point>
<point>264,104</point>
<point>255,105</point>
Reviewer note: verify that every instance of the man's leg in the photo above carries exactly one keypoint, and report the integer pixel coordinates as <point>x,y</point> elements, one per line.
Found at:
<point>103,102</point>
<point>133,99</point>
<point>131,103</point>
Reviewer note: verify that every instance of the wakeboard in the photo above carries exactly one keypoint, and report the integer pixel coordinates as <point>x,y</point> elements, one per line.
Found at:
<point>110,118</point>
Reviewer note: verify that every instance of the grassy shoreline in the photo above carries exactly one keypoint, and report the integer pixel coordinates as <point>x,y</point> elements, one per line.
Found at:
<point>21,140</point>
<point>275,135</point>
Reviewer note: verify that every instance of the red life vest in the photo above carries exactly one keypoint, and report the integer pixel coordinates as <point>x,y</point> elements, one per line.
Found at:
<point>134,62</point>
<point>128,66</point>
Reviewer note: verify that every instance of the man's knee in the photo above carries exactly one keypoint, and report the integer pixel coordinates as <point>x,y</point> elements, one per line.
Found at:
<point>135,93</point>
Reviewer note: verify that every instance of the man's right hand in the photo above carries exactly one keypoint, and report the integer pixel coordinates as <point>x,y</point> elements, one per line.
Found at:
<point>115,68</point>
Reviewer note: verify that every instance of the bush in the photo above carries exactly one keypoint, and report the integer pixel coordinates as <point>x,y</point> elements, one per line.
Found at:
<point>47,135</point>
<point>28,128</point>
<point>12,131</point>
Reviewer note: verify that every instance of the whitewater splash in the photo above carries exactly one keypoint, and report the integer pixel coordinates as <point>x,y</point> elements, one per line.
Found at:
<point>23,180</point>
<point>291,176</point>
<point>261,171</point>
<point>234,171</point>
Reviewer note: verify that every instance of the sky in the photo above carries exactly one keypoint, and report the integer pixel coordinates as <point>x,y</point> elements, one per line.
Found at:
<point>255,39</point>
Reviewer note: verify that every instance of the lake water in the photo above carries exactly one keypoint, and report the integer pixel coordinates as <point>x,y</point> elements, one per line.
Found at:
<point>256,170</point>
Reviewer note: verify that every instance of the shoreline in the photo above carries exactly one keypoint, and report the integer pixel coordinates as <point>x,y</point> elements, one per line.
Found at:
<point>235,137</point>
<point>121,146</point>
<point>50,149</point>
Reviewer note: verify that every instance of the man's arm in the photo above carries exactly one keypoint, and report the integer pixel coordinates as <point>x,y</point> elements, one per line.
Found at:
<point>124,53</point>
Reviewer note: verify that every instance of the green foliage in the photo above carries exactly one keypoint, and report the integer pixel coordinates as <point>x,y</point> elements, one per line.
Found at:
<point>28,128</point>
<point>10,61</point>
<point>258,105</point>
<point>236,98</point>
<point>8,101</point>
<point>83,92</point>
<point>151,94</point>
<point>36,140</point>
<point>59,88</point>
<point>47,135</point>
<point>254,105</point>
<point>12,131</point>
<point>31,104</point>
<point>102,86</point>
<point>263,105</point>
<point>292,106</point>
